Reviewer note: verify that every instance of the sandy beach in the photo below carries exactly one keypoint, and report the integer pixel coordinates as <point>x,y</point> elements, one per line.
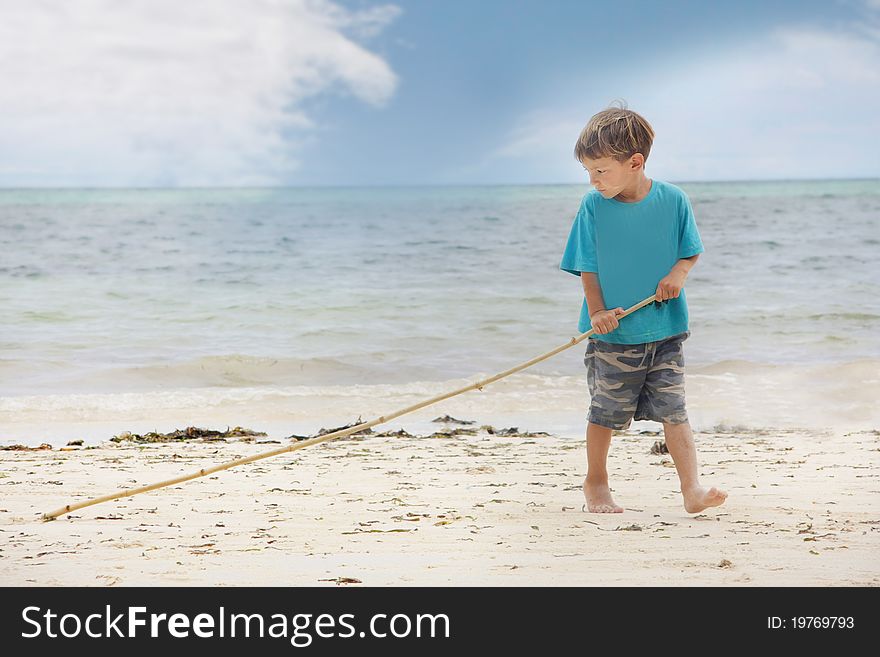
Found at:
<point>450,511</point>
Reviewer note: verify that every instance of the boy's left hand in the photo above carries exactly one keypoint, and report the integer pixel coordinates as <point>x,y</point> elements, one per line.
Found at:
<point>671,285</point>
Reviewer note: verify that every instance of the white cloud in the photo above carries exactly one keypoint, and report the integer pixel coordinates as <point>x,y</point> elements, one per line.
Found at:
<point>162,92</point>
<point>800,102</point>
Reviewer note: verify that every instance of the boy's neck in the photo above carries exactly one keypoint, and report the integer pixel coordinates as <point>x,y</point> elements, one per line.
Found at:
<point>637,192</point>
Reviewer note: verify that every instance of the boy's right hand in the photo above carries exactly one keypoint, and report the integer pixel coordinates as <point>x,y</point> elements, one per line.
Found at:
<point>605,321</point>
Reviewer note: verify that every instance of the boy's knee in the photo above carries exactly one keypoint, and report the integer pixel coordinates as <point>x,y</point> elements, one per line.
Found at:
<point>676,430</point>
<point>596,427</point>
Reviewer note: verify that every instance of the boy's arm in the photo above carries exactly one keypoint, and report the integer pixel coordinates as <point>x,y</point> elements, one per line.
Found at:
<point>592,291</point>
<point>670,287</point>
<point>686,264</point>
<point>602,320</point>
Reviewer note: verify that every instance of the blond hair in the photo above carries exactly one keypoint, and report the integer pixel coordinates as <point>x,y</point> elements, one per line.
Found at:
<point>615,132</point>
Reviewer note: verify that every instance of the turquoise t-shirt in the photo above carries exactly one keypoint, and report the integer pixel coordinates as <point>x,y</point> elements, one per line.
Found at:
<point>632,246</point>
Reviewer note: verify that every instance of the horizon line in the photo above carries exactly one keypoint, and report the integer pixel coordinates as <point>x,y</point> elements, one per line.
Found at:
<point>405,185</point>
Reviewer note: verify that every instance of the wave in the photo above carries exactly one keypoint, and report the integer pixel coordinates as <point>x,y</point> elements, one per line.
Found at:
<point>838,316</point>
<point>22,376</point>
<point>831,370</point>
<point>209,392</point>
<point>244,370</point>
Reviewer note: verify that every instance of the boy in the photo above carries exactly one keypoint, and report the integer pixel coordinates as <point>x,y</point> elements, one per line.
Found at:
<point>632,237</point>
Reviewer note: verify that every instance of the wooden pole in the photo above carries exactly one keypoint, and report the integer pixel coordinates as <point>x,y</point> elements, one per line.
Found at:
<point>336,434</point>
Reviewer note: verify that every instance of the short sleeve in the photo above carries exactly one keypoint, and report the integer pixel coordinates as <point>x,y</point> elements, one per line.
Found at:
<point>580,251</point>
<point>689,242</point>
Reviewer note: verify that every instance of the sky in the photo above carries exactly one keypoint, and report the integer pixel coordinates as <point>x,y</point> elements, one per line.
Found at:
<point>233,93</point>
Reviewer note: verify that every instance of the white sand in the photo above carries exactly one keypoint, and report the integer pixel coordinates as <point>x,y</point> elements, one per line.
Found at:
<point>804,509</point>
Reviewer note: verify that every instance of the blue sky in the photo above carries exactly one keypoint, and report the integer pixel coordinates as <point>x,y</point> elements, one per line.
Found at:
<point>311,92</point>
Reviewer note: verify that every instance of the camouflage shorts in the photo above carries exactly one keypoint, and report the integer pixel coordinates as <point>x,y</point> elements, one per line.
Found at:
<point>636,381</point>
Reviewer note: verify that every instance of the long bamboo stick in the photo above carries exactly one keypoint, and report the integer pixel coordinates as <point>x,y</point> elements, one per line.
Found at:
<point>479,385</point>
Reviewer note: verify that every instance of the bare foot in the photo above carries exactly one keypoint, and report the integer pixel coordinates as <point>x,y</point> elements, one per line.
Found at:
<point>599,499</point>
<point>697,499</point>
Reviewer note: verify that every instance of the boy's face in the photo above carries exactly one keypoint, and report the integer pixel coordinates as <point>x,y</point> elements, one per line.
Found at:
<point>611,177</point>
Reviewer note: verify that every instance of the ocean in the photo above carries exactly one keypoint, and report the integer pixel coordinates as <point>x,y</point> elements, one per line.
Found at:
<point>185,299</point>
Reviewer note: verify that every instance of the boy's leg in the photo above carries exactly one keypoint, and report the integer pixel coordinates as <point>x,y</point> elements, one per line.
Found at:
<point>663,400</point>
<point>615,376</point>
<point>596,490</point>
<point>680,443</point>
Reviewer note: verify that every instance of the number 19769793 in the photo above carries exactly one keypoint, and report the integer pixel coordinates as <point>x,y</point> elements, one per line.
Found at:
<point>810,622</point>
